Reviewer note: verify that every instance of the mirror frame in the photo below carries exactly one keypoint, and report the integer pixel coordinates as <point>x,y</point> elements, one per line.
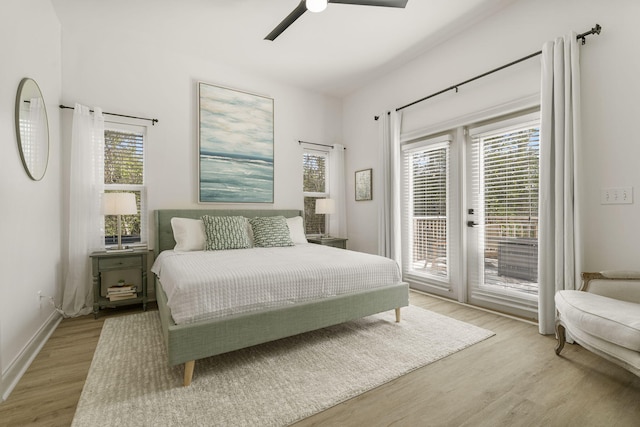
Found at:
<point>23,141</point>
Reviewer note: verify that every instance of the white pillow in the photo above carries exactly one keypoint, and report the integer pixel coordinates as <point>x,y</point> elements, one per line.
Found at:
<point>296,230</point>
<point>189,234</point>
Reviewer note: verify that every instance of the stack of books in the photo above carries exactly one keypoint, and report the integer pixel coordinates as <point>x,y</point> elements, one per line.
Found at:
<point>120,292</point>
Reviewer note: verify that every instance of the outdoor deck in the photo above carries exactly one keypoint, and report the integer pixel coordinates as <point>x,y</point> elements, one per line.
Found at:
<point>492,278</point>
<point>510,251</point>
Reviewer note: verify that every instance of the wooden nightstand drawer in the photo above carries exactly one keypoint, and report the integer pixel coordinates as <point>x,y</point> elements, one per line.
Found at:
<point>119,262</point>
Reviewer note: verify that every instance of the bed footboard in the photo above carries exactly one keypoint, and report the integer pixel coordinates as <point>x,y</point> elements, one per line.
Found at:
<point>189,342</point>
<point>190,365</point>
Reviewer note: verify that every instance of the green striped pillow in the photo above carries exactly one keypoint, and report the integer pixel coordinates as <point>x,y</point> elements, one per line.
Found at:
<point>225,232</point>
<point>270,231</point>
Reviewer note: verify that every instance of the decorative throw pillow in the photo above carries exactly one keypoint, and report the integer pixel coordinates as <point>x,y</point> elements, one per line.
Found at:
<point>188,233</point>
<point>225,232</point>
<point>296,230</point>
<point>270,231</point>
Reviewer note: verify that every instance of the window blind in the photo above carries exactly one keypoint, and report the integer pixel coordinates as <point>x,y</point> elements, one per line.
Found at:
<point>123,157</point>
<point>315,172</point>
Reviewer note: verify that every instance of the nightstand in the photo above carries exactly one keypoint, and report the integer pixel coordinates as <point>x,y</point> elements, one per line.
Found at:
<point>336,242</point>
<point>105,261</point>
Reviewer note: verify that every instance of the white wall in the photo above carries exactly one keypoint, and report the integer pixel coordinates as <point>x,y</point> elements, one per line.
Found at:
<point>610,66</point>
<point>31,211</point>
<point>126,73</point>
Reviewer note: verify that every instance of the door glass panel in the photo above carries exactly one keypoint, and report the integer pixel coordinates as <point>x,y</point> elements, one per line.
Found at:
<point>504,175</point>
<point>426,182</point>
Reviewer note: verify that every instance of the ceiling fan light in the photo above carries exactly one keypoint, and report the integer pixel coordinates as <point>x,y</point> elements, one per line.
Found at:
<point>316,5</point>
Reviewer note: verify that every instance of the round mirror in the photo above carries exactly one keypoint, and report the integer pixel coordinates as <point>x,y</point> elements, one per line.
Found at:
<point>32,129</point>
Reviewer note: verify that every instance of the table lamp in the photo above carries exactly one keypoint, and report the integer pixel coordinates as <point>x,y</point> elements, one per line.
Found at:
<point>119,204</point>
<point>327,207</point>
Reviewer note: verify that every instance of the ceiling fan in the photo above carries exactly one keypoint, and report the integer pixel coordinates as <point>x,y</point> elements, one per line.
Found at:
<point>320,5</point>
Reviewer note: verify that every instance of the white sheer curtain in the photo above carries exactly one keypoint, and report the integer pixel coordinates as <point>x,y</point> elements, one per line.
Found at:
<point>338,220</point>
<point>388,181</point>
<point>559,236</point>
<point>86,223</point>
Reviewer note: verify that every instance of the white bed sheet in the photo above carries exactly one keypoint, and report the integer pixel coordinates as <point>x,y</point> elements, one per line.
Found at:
<point>208,284</point>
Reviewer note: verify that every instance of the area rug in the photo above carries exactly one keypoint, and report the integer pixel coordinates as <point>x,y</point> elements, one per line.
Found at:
<point>130,383</point>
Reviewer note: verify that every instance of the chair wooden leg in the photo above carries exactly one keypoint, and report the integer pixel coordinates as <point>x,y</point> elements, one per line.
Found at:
<point>188,372</point>
<point>561,334</point>
<point>398,315</point>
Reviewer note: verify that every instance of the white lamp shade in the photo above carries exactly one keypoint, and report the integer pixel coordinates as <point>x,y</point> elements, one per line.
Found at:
<point>119,204</point>
<point>325,206</point>
<point>316,5</point>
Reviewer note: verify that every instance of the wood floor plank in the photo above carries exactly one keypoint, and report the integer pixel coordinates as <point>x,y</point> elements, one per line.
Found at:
<point>511,379</point>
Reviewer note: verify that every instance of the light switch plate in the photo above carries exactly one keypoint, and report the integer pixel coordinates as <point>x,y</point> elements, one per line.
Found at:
<point>616,196</point>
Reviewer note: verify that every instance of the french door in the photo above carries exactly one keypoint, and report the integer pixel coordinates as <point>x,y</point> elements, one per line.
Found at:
<point>430,234</point>
<point>502,215</point>
<point>470,214</point>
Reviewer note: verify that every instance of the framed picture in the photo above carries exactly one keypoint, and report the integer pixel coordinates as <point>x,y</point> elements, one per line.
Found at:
<point>363,185</point>
<point>235,146</point>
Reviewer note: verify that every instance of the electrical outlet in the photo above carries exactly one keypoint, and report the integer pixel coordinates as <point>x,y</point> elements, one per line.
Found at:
<point>616,196</point>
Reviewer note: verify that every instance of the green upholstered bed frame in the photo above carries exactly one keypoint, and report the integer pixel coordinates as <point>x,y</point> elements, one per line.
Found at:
<point>188,342</point>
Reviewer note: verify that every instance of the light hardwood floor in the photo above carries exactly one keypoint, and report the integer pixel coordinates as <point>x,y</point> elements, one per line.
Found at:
<point>511,379</point>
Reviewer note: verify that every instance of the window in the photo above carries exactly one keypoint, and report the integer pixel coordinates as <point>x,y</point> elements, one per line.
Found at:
<point>315,186</point>
<point>426,189</point>
<point>124,172</point>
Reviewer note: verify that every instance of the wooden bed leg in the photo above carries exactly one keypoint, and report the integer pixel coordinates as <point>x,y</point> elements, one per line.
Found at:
<point>188,372</point>
<point>398,315</point>
<point>560,332</point>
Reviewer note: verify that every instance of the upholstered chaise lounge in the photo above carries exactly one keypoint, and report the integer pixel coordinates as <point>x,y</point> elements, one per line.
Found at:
<point>603,317</point>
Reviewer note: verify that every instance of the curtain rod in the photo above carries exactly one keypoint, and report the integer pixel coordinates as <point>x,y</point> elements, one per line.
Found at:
<point>153,121</point>
<point>583,36</point>
<point>321,145</point>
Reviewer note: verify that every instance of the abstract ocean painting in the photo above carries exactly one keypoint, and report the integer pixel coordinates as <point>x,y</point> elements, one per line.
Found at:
<point>236,146</point>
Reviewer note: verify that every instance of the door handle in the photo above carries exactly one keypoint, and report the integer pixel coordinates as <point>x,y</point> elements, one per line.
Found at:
<point>472,224</point>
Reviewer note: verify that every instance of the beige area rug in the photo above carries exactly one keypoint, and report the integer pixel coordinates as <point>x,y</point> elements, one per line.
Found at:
<point>278,383</point>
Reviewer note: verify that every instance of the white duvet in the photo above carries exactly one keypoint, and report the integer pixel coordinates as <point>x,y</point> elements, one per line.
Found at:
<point>208,284</point>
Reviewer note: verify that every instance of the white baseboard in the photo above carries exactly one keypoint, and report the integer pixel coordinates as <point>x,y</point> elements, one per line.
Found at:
<point>19,366</point>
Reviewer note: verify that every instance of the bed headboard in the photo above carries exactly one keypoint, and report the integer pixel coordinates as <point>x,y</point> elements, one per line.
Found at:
<point>164,234</point>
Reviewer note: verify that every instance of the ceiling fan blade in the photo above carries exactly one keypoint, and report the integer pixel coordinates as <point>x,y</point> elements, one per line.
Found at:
<point>286,22</point>
<point>383,3</point>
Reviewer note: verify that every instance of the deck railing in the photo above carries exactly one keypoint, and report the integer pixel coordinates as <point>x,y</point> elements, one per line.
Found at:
<point>430,237</point>
<point>430,233</point>
<point>510,255</point>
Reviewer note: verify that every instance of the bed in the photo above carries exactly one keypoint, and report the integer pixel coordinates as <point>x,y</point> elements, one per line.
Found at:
<point>188,341</point>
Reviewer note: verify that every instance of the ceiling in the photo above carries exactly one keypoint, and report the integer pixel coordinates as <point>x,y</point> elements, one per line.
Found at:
<point>333,52</point>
